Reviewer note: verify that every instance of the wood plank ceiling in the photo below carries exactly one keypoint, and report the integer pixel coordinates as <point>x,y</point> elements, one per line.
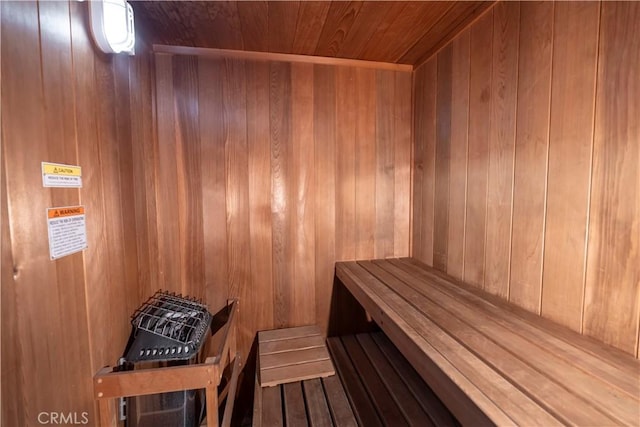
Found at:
<point>403,32</point>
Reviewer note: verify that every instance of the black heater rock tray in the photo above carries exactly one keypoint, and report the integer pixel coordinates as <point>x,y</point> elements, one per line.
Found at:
<point>168,327</point>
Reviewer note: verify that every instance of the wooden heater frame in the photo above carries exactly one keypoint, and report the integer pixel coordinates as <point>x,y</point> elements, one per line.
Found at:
<point>109,385</point>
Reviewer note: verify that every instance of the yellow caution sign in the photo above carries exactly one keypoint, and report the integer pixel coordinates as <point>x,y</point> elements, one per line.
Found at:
<point>60,175</point>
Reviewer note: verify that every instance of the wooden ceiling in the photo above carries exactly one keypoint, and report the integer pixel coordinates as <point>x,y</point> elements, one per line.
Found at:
<point>403,32</point>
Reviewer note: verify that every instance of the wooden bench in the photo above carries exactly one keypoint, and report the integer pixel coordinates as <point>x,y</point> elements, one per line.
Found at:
<point>489,361</point>
<point>374,386</point>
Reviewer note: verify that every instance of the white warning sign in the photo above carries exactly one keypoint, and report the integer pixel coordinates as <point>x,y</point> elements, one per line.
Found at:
<point>61,176</point>
<point>67,231</point>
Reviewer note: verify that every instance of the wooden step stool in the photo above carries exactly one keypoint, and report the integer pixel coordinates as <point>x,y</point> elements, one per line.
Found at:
<point>296,382</point>
<point>293,354</point>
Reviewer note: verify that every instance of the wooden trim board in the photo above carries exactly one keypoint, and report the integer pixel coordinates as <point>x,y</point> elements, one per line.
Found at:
<point>284,57</point>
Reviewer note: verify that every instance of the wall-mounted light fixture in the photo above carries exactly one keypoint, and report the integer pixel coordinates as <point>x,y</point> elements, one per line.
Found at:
<point>112,25</point>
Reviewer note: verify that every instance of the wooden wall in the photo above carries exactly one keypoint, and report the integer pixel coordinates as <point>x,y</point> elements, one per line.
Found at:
<point>62,102</point>
<point>268,172</point>
<point>527,156</point>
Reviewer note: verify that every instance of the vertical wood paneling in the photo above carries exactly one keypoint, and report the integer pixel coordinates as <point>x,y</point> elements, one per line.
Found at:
<point>478,151</point>
<point>458,154</point>
<point>425,134</point>
<point>124,171</point>
<point>504,88</point>
<point>281,182</point>
<point>143,151</point>
<point>61,102</point>
<point>212,133</point>
<point>345,163</point>
<point>612,294</point>
<point>324,130</point>
<point>570,140</point>
<point>168,220</point>
<point>532,144</point>
<point>385,174</point>
<point>443,145</point>
<point>261,294</point>
<point>402,164</point>
<point>303,310</point>
<point>189,183</point>
<point>59,139</point>
<point>237,191</point>
<point>31,265</point>
<point>552,169</point>
<point>365,163</point>
<point>306,179</point>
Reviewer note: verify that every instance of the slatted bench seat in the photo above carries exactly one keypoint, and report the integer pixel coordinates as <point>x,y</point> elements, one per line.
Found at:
<point>489,361</point>
<point>374,386</point>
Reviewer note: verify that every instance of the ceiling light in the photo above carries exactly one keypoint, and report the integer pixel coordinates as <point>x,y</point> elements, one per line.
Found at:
<point>112,25</point>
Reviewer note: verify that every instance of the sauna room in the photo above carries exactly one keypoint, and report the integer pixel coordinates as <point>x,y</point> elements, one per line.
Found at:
<point>324,213</point>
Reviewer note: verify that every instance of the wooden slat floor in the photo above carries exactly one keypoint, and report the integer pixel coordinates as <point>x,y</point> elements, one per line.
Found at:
<point>374,386</point>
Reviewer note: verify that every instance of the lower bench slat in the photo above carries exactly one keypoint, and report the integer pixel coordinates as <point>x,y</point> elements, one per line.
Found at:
<point>341,412</point>
<point>317,408</point>
<point>384,403</point>
<point>294,409</point>
<point>413,413</point>
<point>438,413</point>
<point>363,409</point>
<point>271,405</point>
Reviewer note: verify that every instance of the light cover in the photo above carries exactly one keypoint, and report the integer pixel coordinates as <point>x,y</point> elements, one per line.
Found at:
<point>112,25</point>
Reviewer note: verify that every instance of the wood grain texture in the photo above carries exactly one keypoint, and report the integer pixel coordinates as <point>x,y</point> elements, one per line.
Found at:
<point>346,163</point>
<point>444,104</point>
<point>213,174</point>
<point>424,168</point>
<point>612,293</point>
<point>402,113</point>
<point>260,219</point>
<point>532,148</point>
<point>237,193</point>
<point>64,103</point>
<point>455,20</point>
<point>458,154</point>
<point>570,143</point>
<point>316,402</point>
<point>385,173</point>
<point>281,181</point>
<point>504,89</point>
<point>284,192</point>
<point>578,383</point>
<point>387,31</point>
<point>189,183</point>
<point>365,163</point>
<point>302,194</point>
<point>545,205</point>
<point>478,151</point>
<point>324,81</point>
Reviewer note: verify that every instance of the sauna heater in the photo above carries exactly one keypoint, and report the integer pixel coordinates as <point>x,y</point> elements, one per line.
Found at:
<point>167,330</point>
